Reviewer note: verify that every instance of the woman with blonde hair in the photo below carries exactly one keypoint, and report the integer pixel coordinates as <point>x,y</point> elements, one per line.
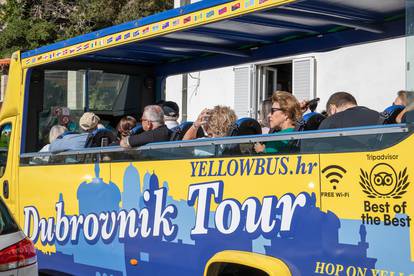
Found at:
<point>284,114</point>
<point>215,122</point>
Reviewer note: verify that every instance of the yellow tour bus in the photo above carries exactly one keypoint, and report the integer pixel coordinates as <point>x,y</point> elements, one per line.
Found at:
<point>333,202</point>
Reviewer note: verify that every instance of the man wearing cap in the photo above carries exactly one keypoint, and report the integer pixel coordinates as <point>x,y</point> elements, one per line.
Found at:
<point>75,141</point>
<point>154,128</point>
<point>171,113</point>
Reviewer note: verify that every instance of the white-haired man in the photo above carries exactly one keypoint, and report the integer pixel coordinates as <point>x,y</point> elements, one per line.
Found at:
<point>154,127</point>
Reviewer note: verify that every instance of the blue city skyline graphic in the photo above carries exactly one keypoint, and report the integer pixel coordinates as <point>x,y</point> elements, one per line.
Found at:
<point>314,237</point>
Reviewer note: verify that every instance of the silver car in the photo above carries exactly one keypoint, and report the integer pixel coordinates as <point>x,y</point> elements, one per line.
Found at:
<point>17,252</point>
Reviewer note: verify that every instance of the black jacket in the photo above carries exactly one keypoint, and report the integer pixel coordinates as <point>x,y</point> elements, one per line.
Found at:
<point>352,117</point>
<point>160,134</point>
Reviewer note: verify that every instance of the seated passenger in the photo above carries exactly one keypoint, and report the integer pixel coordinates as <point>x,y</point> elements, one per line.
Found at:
<point>285,112</point>
<point>408,96</point>
<point>344,111</point>
<point>171,113</point>
<point>154,128</point>
<point>54,133</point>
<point>401,98</point>
<point>124,128</point>
<point>199,125</point>
<point>215,122</point>
<point>75,141</point>
<point>265,109</point>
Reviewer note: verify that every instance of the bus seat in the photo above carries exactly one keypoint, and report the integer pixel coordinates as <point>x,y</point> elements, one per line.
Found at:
<point>137,129</point>
<point>178,132</point>
<point>245,126</point>
<point>97,138</point>
<point>390,114</point>
<point>310,121</point>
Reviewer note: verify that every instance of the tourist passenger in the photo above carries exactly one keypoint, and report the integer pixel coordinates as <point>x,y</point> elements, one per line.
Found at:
<point>171,113</point>
<point>154,128</point>
<point>74,141</point>
<point>125,125</point>
<point>215,122</point>
<point>343,111</point>
<point>265,109</point>
<point>285,112</point>
<point>401,98</point>
<point>54,133</point>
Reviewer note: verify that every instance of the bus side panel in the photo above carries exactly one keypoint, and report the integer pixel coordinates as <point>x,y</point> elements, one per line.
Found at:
<point>197,208</point>
<point>54,202</point>
<point>170,217</point>
<point>371,193</point>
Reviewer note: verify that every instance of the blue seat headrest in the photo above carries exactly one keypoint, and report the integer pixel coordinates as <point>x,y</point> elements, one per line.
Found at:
<point>392,109</point>
<point>137,129</point>
<point>245,126</point>
<point>95,138</point>
<point>390,113</point>
<point>178,132</point>
<point>310,121</point>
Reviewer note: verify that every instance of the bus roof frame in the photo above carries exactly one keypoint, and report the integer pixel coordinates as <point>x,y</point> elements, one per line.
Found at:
<point>288,24</point>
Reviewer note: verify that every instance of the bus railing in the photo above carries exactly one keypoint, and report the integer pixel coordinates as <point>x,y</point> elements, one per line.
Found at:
<point>305,135</point>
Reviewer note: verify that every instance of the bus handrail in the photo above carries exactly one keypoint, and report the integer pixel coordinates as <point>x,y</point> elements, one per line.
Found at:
<point>313,134</point>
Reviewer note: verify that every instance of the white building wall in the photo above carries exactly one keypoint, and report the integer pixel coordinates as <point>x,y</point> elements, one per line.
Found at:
<point>372,72</point>
<point>205,89</point>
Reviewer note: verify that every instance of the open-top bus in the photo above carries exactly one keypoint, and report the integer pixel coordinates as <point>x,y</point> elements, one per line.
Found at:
<point>337,203</point>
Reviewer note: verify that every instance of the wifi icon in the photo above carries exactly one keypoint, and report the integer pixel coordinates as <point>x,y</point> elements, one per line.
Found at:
<point>334,174</point>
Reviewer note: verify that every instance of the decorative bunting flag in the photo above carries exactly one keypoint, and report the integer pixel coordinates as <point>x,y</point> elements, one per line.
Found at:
<point>235,7</point>
<point>187,19</point>
<point>165,25</point>
<point>176,22</point>
<point>210,14</point>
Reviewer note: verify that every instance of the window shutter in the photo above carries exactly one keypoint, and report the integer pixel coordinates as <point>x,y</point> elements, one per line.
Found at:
<point>304,78</point>
<point>242,91</point>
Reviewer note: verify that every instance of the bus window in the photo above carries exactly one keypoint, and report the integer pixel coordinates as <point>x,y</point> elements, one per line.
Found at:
<point>61,96</point>
<point>4,146</point>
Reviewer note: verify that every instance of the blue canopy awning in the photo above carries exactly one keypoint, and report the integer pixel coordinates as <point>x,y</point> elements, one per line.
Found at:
<point>214,33</point>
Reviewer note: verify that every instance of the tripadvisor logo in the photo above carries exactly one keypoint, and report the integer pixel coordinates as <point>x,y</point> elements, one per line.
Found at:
<point>384,182</point>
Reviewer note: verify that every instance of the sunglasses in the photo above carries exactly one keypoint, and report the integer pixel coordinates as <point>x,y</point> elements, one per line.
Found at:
<point>274,109</point>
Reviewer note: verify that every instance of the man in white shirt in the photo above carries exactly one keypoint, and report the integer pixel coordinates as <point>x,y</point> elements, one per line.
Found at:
<point>171,113</point>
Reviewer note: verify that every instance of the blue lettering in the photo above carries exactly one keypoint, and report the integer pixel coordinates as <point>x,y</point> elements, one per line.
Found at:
<point>301,166</point>
<point>284,163</point>
<point>193,168</point>
<point>220,173</point>
<point>210,173</point>
<point>202,170</point>
<point>260,163</point>
<point>235,167</point>
<point>246,166</point>
<point>269,165</point>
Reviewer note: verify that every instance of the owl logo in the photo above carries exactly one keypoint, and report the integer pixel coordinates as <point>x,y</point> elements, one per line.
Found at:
<point>384,182</point>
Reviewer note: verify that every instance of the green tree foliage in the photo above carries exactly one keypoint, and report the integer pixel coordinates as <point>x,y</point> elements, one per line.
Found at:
<point>28,24</point>
<point>134,9</point>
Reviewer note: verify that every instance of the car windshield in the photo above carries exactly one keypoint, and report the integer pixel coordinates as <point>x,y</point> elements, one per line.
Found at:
<point>7,223</point>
